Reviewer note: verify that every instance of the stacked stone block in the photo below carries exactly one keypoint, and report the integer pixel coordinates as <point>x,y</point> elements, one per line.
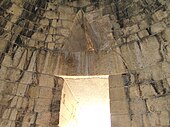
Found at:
<point>119,107</point>
<point>30,94</point>
<point>68,108</point>
<point>142,39</point>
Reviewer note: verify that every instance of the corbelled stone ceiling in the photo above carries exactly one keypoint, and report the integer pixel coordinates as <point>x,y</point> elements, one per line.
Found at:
<point>42,41</point>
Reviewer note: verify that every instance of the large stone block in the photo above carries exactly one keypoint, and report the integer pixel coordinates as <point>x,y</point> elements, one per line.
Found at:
<point>137,120</point>
<point>119,107</point>
<point>32,63</point>
<point>30,104</point>
<point>17,57</point>
<point>146,121</point>
<point>14,75</point>
<point>102,63</point>
<point>14,102</point>
<point>6,114</point>
<point>25,103</point>
<point>154,119</point>
<point>50,63</point>
<point>15,9</point>
<point>27,78</point>
<point>44,22</point>
<point>7,61</point>
<point>168,52</point>
<point>164,118</point>
<point>19,103</point>
<point>3,72</point>
<point>143,24</point>
<point>33,91</point>
<point>43,119</point>
<point>158,104</point>
<point>120,120</point>
<point>134,92</point>
<point>150,51</point>
<point>12,124</point>
<point>135,105</point>
<point>159,15</point>
<point>165,69</point>
<point>166,34</point>
<point>147,90</point>
<point>13,114</point>
<point>143,34</point>
<point>131,29</point>
<point>42,101</point>
<point>115,81</point>
<point>46,80</point>
<point>41,108</point>
<point>154,72</point>
<point>21,91</point>
<point>55,119</point>
<point>132,38</point>
<point>117,94</point>
<point>39,36</point>
<point>5,123</point>
<point>158,27</point>
<point>29,119</point>
<point>132,55</point>
<point>40,60</point>
<point>45,92</point>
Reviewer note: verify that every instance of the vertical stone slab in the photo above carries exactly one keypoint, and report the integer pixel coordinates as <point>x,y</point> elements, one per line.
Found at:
<point>68,108</point>
<point>118,103</point>
<point>56,101</point>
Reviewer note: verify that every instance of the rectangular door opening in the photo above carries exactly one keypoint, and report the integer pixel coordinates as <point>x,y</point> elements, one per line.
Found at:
<point>85,102</point>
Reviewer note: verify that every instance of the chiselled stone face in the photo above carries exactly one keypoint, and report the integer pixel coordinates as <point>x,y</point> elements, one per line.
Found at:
<point>43,40</point>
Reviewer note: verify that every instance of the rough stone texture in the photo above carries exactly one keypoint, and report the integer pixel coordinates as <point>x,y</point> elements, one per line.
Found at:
<point>68,108</point>
<point>42,39</point>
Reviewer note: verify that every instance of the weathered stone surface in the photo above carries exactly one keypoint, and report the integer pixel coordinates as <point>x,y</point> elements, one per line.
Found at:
<point>43,119</point>
<point>158,27</point>
<point>164,118</point>
<point>143,34</point>
<point>127,40</point>
<point>33,91</point>
<point>151,56</point>
<point>147,90</point>
<point>116,120</point>
<point>119,107</point>
<point>46,81</point>
<point>158,104</point>
<point>13,114</point>
<point>136,105</point>
<point>46,90</point>
<point>117,94</point>
<point>115,81</point>
<point>21,91</point>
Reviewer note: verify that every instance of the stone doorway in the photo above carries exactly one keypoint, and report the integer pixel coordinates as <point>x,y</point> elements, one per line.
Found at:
<point>85,102</point>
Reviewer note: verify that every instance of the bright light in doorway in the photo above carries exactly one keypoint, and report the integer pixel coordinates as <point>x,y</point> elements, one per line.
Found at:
<point>93,115</point>
<point>85,102</point>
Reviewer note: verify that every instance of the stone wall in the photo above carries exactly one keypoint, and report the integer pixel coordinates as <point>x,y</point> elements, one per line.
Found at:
<point>68,108</point>
<point>119,103</point>
<point>30,94</point>
<point>141,33</point>
<point>129,39</point>
<point>29,99</point>
<point>134,104</point>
